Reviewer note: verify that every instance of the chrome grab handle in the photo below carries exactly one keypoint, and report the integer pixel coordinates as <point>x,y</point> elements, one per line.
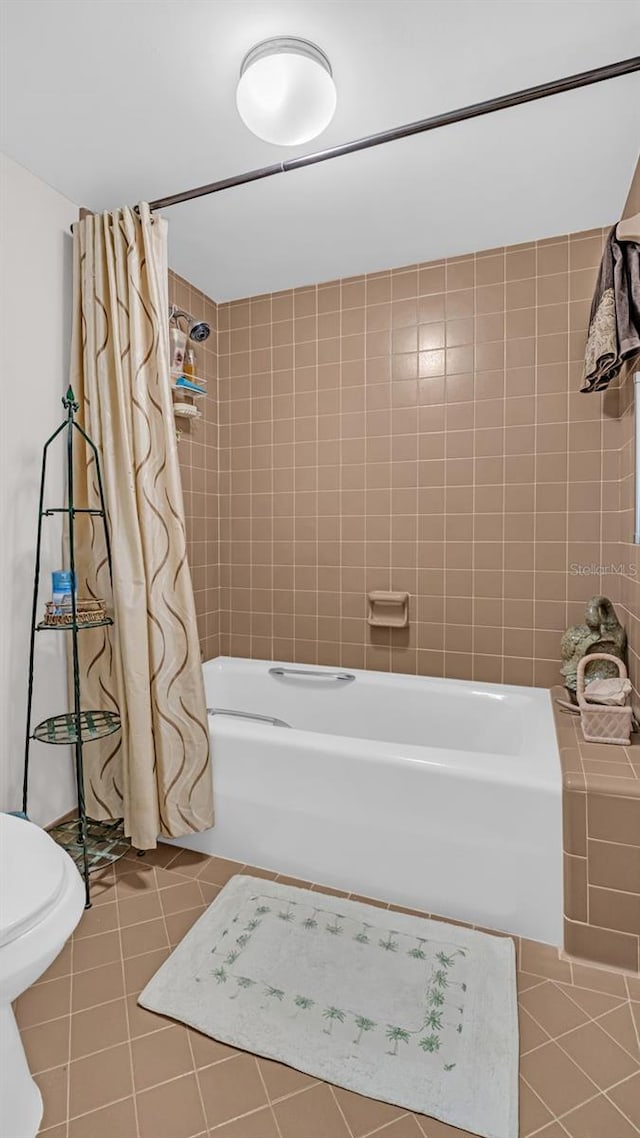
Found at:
<point>345,677</point>
<point>248,715</point>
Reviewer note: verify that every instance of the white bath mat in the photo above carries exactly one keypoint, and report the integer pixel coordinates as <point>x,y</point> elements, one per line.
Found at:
<point>414,1012</point>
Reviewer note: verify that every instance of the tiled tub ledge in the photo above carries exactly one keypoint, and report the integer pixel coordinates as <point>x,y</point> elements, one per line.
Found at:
<point>601,842</point>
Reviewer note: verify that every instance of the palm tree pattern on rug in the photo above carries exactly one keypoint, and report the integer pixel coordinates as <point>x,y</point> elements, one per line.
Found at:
<point>442,1014</point>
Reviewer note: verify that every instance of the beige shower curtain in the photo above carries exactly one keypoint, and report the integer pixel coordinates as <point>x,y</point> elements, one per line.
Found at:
<point>156,772</point>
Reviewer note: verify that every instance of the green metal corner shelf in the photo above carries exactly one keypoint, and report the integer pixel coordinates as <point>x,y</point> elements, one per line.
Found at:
<point>92,844</point>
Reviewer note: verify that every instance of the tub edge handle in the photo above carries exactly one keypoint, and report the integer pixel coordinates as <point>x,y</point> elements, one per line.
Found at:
<point>343,677</point>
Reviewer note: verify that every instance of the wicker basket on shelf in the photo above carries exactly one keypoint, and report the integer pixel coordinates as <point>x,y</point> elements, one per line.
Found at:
<point>88,611</point>
<point>603,723</point>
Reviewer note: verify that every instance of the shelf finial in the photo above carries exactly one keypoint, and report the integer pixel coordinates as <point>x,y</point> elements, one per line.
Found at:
<point>69,401</point>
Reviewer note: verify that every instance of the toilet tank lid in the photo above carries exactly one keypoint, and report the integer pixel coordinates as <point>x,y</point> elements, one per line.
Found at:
<point>31,876</point>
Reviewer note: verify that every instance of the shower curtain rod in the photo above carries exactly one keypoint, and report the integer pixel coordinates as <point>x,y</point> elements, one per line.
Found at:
<point>503,102</point>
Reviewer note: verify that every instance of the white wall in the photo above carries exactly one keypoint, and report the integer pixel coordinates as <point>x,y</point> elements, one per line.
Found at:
<point>35,326</point>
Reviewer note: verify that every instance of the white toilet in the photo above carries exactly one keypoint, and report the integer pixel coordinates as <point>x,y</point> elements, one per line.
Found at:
<point>41,902</point>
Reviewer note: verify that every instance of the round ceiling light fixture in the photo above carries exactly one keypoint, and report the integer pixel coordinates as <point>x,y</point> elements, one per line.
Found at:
<point>286,92</point>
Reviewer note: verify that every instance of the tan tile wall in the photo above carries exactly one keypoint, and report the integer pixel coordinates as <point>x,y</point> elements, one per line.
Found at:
<point>422,429</point>
<point>198,453</point>
<point>419,429</point>
<point>628,557</point>
<point>602,783</point>
<point>629,554</point>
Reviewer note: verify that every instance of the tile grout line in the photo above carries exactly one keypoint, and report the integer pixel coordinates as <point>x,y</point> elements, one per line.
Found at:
<point>189,1041</point>
<point>126,1008</point>
<point>536,1095</point>
<point>268,1098</point>
<point>541,1129</point>
<point>317,1082</point>
<point>635,1020</point>
<point>556,1040</point>
<point>87,1113</point>
<point>578,1106</point>
<point>612,1101</point>
<point>387,1125</point>
<point>419,1125</point>
<point>623,973</point>
<point>579,1027</point>
<point>596,1019</point>
<point>541,980</point>
<point>69,1051</point>
<point>596,991</point>
<point>239,1117</point>
<point>537,1047</point>
<point>99,1050</point>
<point>611,888</point>
<point>332,1092</point>
<point>90,1007</point>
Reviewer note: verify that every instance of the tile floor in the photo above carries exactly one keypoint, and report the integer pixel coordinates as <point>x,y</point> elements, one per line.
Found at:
<point>108,1069</point>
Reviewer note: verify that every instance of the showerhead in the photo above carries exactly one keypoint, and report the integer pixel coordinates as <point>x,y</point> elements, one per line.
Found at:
<point>199,331</point>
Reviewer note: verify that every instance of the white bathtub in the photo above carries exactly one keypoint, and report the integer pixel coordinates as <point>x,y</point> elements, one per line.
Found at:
<point>442,795</point>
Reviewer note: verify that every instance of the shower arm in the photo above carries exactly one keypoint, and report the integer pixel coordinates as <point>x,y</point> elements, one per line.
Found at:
<point>474,110</point>
<point>177,314</point>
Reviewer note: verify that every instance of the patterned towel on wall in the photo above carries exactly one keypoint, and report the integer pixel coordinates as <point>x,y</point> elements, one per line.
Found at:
<point>614,321</point>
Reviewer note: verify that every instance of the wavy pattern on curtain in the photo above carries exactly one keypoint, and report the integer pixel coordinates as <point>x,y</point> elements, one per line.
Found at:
<point>157,773</point>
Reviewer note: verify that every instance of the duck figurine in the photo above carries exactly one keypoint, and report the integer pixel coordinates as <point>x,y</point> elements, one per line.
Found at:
<point>601,632</point>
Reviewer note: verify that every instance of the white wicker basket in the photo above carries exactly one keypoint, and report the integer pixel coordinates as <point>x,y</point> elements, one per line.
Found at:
<point>602,723</point>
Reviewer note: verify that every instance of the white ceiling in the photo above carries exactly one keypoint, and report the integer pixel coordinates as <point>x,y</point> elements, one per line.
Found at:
<point>114,101</point>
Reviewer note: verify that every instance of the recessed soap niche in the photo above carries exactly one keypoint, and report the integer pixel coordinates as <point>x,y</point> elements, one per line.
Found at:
<point>387,609</point>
